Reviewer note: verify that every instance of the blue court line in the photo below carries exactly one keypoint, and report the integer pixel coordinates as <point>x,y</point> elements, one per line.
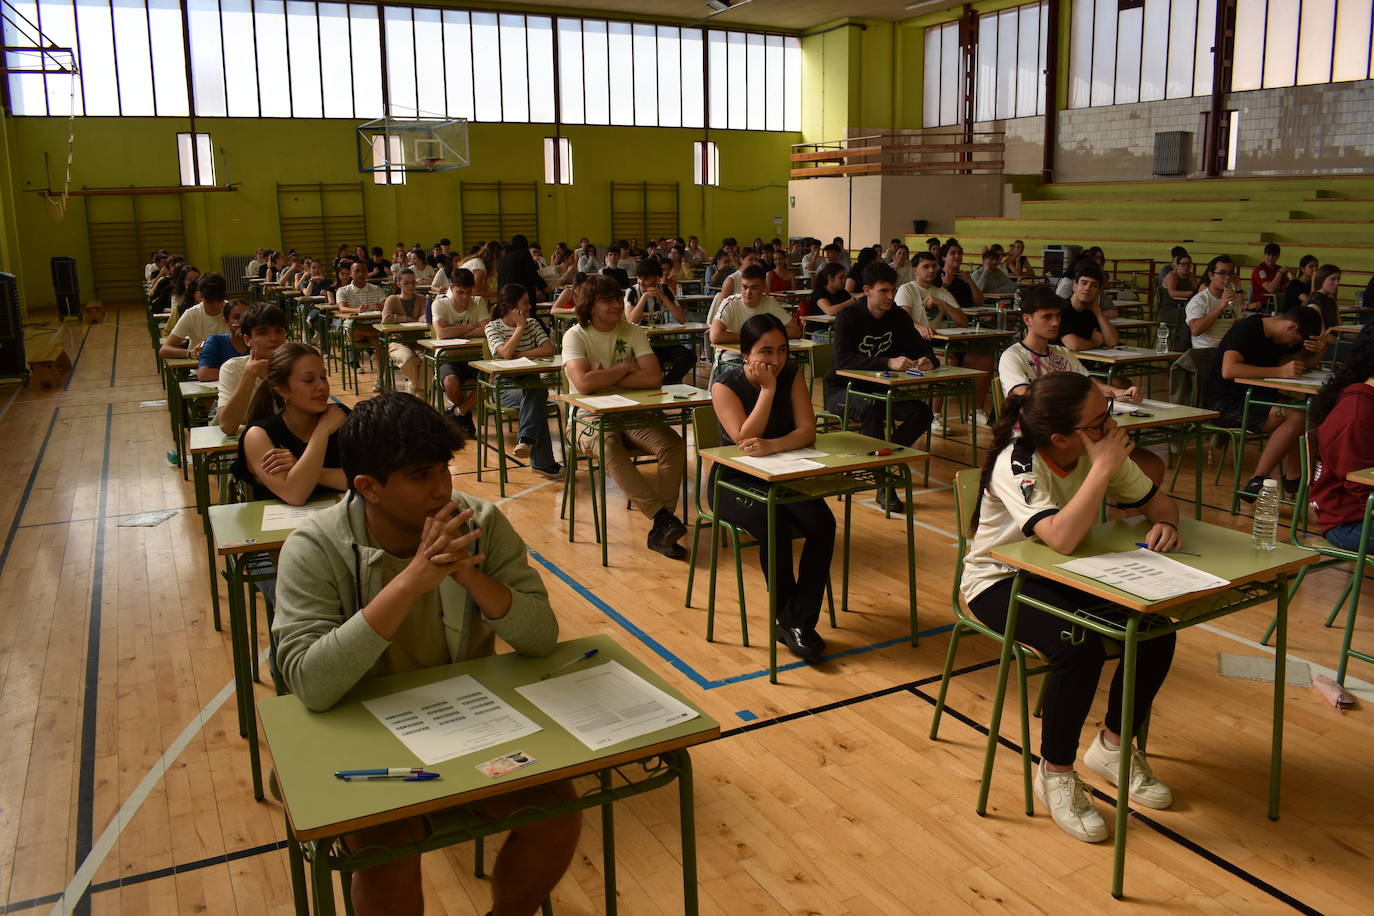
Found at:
<point>696,677</point>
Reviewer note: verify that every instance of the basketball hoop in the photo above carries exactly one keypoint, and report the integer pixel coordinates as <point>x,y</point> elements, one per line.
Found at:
<point>412,145</point>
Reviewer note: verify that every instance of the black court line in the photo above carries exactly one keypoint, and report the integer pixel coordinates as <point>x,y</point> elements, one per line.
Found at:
<point>28,491</point>
<point>114,355</point>
<point>85,792</point>
<point>1167,832</point>
<point>82,349</point>
<point>94,518</point>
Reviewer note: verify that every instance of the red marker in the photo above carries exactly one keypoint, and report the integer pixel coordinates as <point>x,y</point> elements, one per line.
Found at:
<point>882,451</point>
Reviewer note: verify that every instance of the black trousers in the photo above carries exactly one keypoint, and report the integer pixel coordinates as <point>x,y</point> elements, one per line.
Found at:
<point>910,419</point>
<point>799,593</point>
<point>676,361</point>
<point>1075,669</point>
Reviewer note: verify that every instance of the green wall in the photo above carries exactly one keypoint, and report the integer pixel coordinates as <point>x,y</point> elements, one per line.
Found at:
<point>255,155</point>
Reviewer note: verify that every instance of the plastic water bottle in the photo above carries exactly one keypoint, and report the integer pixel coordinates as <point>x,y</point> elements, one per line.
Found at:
<point>1162,339</point>
<point>1266,516</point>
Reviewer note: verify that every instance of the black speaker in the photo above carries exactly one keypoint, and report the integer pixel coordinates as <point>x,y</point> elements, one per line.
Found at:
<point>12,363</point>
<point>66,286</point>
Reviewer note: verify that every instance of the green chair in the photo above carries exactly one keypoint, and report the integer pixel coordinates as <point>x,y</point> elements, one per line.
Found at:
<point>1331,556</point>
<point>706,434</point>
<point>822,358</point>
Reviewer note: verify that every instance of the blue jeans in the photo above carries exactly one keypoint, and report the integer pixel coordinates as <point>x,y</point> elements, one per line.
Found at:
<point>1346,537</point>
<point>534,422</point>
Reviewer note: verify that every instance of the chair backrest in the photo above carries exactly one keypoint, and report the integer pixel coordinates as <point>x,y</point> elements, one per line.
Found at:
<point>966,484</point>
<point>705,434</point>
<point>822,356</point>
<point>995,388</point>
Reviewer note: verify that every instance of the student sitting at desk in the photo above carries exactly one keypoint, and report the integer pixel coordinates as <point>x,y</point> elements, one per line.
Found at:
<point>512,333</point>
<point>1344,416</point>
<point>401,307</point>
<point>872,333</point>
<point>1034,356</point>
<point>288,450</point>
<point>220,348</point>
<point>735,310</point>
<point>763,405</point>
<point>198,322</point>
<point>1275,346</point>
<point>264,328</point>
<point>828,295</point>
<point>648,301</point>
<point>989,277</point>
<point>604,351</point>
<point>460,314</point>
<point>1050,481</point>
<point>925,302</point>
<point>1084,324</point>
<point>391,580</point>
<point>1215,307</point>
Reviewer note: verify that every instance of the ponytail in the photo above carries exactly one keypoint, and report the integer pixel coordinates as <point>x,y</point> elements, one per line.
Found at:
<point>266,401</point>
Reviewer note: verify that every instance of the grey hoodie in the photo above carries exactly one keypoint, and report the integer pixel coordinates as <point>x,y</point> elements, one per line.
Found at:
<point>328,571</point>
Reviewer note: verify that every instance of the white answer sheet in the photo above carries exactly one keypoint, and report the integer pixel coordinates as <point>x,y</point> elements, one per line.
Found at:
<point>606,705</point>
<point>281,517</point>
<point>450,718</point>
<point>1152,576</point>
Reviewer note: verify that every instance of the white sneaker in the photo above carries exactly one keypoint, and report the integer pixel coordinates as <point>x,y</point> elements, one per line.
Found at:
<point>937,425</point>
<point>981,416</point>
<point>522,450</point>
<point>1068,803</point>
<point>1144,790</point>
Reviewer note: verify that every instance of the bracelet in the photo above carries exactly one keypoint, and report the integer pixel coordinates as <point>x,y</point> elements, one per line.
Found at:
<point>1170,524</point>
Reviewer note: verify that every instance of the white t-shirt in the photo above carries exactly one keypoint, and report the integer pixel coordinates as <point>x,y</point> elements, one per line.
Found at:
<point>905,273</point>
<point>438,285</point>
<point>1024,489</point>
<point>1200,306</point>
<point>353,297</point>
<point>1020,365</point>
<point>229,375</point>
<point>423,275</point>
<point>733,313</point>
<point>474,264</point>
<point>195,325</point>
<point>443,309</point>
<point>910,296</point>
<point>602,349</point>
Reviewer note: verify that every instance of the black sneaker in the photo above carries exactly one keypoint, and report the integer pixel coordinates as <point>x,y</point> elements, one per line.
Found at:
<point>1250,492</point>
<point>660,541</point>
<point>814,640</point>
<point>669,525</point>
<point>465,423</point>
<point>1291,486</point>
<point>794,638</point>
<point>890,501</point>
<point>553,472</point>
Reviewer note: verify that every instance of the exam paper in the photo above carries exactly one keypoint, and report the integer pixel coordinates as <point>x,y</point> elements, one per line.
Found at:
<point>451,342</point>
<point>450,718</point>
<point>684,390</point>
<point>608,400</point>
<point>414,324</point>
<point>1125,407</point>
<point>281,517</point>
<point>520,362</point>
<point>955,332</point>
<point>606,705</point>
<point>789,462</point>
<point>1149,575</point>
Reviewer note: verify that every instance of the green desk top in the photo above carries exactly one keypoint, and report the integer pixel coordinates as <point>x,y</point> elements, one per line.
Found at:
<point>1162,414</point>
<point>211,439</point>
<point>845,451</point>
<point>1131,322</point>
<point>450,343</point>
<point>1306,385</point>
<point>1351,329</point>
<point>1123,354</point>
<point>929,376</point>
<point>403,327</point>
<point>307,747</point>
<point>950,335</point>
<point>800,343</point>
<point>1225,552</point>
<point>819,319</point>
<point>1365,477</point>
<point>199,390</point>
<point>180,362</point>
<point>654,330</point>
<point>644,398</point>
<point>542,364</point>
<point>237,528</point>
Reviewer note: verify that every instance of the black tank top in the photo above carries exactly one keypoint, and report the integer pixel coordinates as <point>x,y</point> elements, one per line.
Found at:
<point>281,436</point>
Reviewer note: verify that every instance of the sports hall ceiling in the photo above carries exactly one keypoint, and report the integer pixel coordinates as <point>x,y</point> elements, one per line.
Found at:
<point>779,14</point>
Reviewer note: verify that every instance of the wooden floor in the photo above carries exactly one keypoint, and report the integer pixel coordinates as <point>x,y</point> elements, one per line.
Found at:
<point>124,784</point>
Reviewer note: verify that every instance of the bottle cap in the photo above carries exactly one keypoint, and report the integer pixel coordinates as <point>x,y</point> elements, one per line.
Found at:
<point>1270,483</point>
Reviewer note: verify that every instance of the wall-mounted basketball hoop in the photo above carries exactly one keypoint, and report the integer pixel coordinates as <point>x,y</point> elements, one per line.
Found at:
<point>410,145</point>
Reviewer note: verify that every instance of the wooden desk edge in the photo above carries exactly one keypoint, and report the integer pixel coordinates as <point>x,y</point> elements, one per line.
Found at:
<point>909,456</point>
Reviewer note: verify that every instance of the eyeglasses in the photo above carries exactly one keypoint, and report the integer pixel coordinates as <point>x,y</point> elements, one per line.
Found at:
<point>1101,426</point>
<point>1223,273</point>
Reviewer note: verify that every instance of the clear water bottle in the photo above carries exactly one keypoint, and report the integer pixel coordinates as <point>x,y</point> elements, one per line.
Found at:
<point>1266,516</point>
<point>1162,339</point>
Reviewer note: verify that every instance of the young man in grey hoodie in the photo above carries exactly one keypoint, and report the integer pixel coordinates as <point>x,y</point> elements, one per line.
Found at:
<point>403,574</point>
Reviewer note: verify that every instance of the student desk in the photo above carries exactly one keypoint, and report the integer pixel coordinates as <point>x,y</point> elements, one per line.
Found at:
<point>947,381</point>
<point>563,318</point>
<point>1365,477</point>
<point>1137,329</point>
<point>210,446</point>
<point>389,333</point>
<point>847,468</point>
<point>243,544</point>
<point>798,351</point>
<point>1349,330</point>
<point>957,341</point>
<point>1169,423</point>
<point>697,304</point>
<point>691,334</point>
<point>307,747</point>
<point>495,377</point>
<point>185,397</point>
<point>1299,391</point>
<point>449,350</point>
<point>1109,362</point>
<point>652,407</point>
<point>1256,577</point>
<point>820,328</point>
<point>155,320</point>
<point>174,370</point>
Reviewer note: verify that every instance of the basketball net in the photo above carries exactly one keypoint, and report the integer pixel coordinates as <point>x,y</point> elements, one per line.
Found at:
<point>57,206</point>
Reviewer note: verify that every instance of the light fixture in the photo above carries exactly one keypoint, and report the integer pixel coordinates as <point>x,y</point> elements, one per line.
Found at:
<point>719,6</point>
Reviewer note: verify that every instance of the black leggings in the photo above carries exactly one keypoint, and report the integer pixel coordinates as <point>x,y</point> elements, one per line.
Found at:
<point>910,419</point>
<point>1075,669</point>
<point>799,594</point>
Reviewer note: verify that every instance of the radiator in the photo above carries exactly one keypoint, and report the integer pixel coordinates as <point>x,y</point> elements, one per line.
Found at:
<point>233,266</point>
<point>1171,147</point>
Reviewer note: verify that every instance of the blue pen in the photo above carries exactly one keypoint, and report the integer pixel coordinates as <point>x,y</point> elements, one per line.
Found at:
<point>564,667</point>
<point>916,372</point>
<point>413,777</point>
<point>1184,552</point>
<point>380,771</point>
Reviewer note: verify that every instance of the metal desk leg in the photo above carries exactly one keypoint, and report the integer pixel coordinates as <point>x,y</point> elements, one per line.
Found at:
<point>715,562</point>
<point>848,518</point>
<point>322,881</point>
<point>911,554</point>
<point>1197,471</point>
<point>1129,647</point>
<point>202,477</point>
<point>688,830</point>
<point>1238,458</point>
<point>772,589</point>
<point>599,484</point>
<point>994,726</point>
<point>608,846</point>
<point>296,867</point>
<point>1280,663</point>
